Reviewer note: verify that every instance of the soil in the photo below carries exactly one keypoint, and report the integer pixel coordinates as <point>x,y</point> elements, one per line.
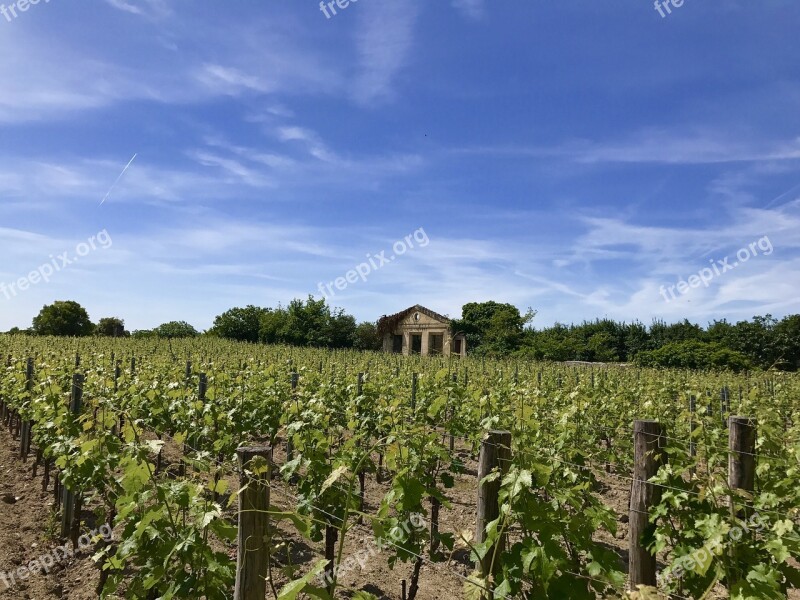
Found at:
<point>27,528</point>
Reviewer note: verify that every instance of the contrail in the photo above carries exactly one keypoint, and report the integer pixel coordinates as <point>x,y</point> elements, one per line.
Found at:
<point>111,189</point>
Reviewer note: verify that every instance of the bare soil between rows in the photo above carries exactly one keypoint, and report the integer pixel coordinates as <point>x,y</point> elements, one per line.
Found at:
<point>28,525</point>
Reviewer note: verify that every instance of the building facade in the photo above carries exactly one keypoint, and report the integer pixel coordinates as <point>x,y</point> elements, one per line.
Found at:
<point>418,330</point>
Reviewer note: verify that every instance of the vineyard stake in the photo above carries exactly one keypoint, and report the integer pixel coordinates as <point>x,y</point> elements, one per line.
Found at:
<point>27,426</point>
<point>725,404</point>
<point>253,545</point>
<point>69,505</point>
<point>495,454</point>
<point>692,427</point>
<point>741,471</point>
<point>741,458</point>
<point>647,441</point>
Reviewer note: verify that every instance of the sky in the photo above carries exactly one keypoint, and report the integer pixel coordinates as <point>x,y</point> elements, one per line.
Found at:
<point>170,159</point>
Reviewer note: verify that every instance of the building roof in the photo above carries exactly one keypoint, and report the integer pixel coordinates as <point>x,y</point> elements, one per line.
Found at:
<point>387,324</point>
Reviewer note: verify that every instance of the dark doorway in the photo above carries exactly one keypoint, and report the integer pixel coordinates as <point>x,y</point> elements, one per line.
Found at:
<point>435,343</point>
<point>397,344</point>
<point>457,347</point>
<point>416,343</point>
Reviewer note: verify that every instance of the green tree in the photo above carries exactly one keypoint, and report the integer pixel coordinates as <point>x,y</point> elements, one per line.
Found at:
<point>693,354</point>
<point>308,323</point>
<point>492,328</point>
<point>111,327</point>
<point>367,337</point>
<point>241,324</point>
<point>312,323</point>
<point>787,341</point>
<point>141,334</point>
<point>341,329</point>
<point>63,318</point>
<point>662,333</point>
<point>272,325</point>
<point>175,329</point>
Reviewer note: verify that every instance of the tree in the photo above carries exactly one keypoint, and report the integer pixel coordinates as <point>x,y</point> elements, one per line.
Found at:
<point>241,324</point>
<point>787,341</point>
<point>273,323</point>
<point>63,318</point>
<point>367,337</point>
<point>308,323</point>
<point>492,328</point>
<point>693,354</point>
<point>175,329</point>
<point>111,327</point>
<point>312,323</point>
<point>141,334</point>
<point>662,334</point>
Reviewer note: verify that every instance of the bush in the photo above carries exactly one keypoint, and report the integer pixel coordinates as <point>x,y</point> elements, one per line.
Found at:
<point>693,354</point>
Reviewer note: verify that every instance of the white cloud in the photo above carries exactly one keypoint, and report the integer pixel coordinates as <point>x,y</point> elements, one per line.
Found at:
<point>384,42</point>
<point>145,8</point>
<point>474,9</point>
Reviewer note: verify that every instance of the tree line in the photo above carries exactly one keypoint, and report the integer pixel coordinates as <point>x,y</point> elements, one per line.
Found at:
<point>491,329</point>
<point>494,329</point>
<point>301,323</point>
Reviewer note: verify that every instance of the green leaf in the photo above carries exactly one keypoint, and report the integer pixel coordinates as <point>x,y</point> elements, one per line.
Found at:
<point>333,478</point>
<point>291,590</point>
<point>474,587</point>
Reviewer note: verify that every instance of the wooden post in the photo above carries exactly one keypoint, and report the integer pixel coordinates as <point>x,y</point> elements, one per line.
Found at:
<point>435,508</point>
<point>295,378</point>
<point>331,537</point>
<point>68,506</point>
<point>251,560</point>
<point>647,441</point>
<point>725,404</point>
<point>27,426</point>
<point>202,390</point>
<point>741,458</point>
<point>450,423</point>
<point>741,474</point>
<point>414,377</point>
<point>692,426</point>
<point>495,454</point>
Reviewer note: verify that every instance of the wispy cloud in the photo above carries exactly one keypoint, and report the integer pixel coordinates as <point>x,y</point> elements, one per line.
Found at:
<point>385,41</point>
<point>474,9</point>
<point>144,8</point>
<point>656,146</point>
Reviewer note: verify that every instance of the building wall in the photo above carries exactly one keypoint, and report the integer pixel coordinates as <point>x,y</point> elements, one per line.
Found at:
<point>425,326</point>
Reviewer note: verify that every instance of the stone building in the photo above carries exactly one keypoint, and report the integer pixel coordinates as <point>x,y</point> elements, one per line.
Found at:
<point>418,330</point>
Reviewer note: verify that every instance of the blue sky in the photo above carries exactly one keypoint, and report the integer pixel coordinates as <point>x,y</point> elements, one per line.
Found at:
<point>570,156</point>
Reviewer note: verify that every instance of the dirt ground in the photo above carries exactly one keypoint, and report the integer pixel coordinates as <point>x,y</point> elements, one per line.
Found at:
<point>27,528</point>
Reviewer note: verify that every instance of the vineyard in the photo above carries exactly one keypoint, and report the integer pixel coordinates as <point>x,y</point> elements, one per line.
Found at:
<point>247,471</point>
